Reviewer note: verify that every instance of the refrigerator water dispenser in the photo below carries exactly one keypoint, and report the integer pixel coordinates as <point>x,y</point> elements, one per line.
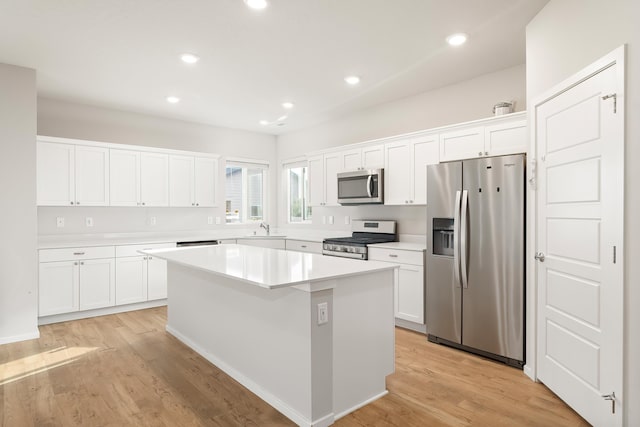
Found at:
<point>443,236</point>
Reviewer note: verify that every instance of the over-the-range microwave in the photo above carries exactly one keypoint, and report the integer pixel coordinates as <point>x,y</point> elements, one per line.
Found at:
<point>361,187</point>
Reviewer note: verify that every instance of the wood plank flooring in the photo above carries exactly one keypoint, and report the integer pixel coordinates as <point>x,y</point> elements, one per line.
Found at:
<point>125,370</point>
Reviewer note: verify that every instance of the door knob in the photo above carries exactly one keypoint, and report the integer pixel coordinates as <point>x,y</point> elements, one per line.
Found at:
<point>539,256</point>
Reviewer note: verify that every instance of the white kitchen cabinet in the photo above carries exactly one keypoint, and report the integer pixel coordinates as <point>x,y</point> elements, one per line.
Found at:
<point>124,177</point>
<point>139,178</point>
<point>493,137</point>
<point>75,279</point>
<point>368,157</point>
<point>409,289</point>
<point>303,246</point>
<point>405,169</point>
<point>323,179</point>
<point>71,175</point>
<point>192,181</point>
<point>227,242</point>
<point>154,179</point>
<point>140,277</point>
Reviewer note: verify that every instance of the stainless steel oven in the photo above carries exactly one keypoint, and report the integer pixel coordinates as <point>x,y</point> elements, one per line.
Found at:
<point>361,187</point>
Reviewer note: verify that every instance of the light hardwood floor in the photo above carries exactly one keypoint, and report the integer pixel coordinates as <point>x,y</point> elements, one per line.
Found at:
<point>125,370</point>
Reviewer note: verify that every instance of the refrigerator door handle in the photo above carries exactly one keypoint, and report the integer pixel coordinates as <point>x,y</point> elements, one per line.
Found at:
<point>456,241</point>
<point>463,238</point>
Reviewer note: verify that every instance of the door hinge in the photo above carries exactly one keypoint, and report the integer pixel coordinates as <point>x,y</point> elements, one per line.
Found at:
<point>612,398</point>
<point>614,254</point>
<point>615,101</point>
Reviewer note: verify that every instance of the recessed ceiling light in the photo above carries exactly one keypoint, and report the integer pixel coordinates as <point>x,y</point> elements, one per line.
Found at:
<point>457,39</point>
<point>264,122</point>
<point>256,4</point>
<point>287,105</point>
<point>352,80</point>
<point>173,99</point>
<point>189,58</point>
<point>282,118</point>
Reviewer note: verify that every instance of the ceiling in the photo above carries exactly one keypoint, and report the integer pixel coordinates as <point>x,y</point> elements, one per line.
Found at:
<point>125,54</point>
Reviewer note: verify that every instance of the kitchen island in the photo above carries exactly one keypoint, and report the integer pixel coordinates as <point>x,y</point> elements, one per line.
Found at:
<point>311,335</point>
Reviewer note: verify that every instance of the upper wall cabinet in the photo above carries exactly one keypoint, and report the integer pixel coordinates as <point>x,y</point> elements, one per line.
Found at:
<point>139,178</point>
<point>323,179</point>
<point>192,181</point>
<point>72,175</point>
<point>406,169</point>
<point>363,158</point>
<point>497,137</point>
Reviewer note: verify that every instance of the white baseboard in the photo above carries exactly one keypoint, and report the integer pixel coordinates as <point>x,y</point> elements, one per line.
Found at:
<point>528,371</point>
<point>65,317</point>
<point>255,388</point>
<point>361,404</point>
<point>22,337</point>
<point>417,327</point>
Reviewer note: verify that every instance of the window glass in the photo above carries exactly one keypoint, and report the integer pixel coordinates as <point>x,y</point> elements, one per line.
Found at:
<point>245,193</point>
<point>298,194</point>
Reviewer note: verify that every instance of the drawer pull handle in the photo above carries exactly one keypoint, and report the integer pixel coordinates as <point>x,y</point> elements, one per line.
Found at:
<point>393,255</point>
<point>78,253</point>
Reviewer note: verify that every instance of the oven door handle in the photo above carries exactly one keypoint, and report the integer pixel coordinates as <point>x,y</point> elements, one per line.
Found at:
<point>369,180</point>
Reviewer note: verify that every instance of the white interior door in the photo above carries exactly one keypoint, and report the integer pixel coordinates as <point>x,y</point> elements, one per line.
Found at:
<point>580,145</point>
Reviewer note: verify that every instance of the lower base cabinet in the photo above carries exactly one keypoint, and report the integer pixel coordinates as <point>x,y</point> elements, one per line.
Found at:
<point>140,277</point>
<point>80,283</point>
<point>409,282</point>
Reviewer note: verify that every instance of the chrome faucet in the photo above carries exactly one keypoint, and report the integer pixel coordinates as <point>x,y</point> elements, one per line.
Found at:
<point>265,226</point>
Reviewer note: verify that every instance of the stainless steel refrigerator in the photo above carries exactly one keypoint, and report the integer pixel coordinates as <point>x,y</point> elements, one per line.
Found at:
<point>475,256</point>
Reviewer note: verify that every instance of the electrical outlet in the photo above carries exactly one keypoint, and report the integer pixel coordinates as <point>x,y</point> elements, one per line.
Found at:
<point>60,222</point>
<point>152,220</point>
<point>210,220</point>
<point>347,220</point>
<point>217,220</point>
<point>331,219</point>
<point>88,221</point>
<point>323,313</point>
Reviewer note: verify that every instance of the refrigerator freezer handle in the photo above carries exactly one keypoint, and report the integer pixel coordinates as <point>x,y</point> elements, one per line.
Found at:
<point>463,238</point>
<point>456,241</point>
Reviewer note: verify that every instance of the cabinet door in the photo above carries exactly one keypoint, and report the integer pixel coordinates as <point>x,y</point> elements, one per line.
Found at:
<point>397,177</point>
<point>331,169</point>
<point>55,172</point>
<point>131,280</point>
<point>506,138</point>
<point>425,152</point>
<point>181,181</point>
<point>462,144</point>
<point>316,181</point>
<point>58,287</point>
<point>373,157</point>
<point>351,160</point>
<point>97,283</point>
<point>92,176</point>
<point>206,178</point>
<point>410,293</point>
<point>124,178</point>
<point>156,278</point>
<point>154,179</point>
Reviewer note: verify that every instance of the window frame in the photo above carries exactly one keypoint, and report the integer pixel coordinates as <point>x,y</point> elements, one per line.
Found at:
<point>246,164</point>
<point>286,175</point>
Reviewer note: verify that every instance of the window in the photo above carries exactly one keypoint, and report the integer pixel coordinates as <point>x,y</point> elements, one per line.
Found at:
<point>245,185</point>
<point>297,181</point>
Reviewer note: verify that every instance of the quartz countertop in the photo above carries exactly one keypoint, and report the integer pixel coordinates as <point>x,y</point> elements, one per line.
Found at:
<point>265,267</point>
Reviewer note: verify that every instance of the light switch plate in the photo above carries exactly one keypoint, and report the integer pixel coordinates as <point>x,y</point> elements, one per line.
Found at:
<point>88,221</point>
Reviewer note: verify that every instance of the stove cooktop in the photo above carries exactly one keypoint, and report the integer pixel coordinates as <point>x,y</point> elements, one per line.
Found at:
<point>358,240</point>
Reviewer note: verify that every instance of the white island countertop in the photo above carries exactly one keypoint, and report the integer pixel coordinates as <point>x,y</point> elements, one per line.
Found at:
<point>265,267</point>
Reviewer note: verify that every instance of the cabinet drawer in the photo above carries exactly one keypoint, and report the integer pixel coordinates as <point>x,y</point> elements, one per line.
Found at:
<point>132,250</point>
<point>70,254</point>
<point>304,246</point>
<point>396,255</point>
<point>227,242</point>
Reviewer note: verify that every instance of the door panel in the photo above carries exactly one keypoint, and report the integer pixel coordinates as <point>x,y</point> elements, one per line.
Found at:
<point>397,174</point>
<point>58,287</point>
<point>206,178</point>
<point>131,280</point>
<point>331,168</point>
<point>157,278</point>
<point>493,302</point>
<point>154,179</point>
<point>443,300</point>
<point>124,177</point>
<point>181,181</point>
<point>97,283</point>
<point>580,147</point>
<point>55,174</point>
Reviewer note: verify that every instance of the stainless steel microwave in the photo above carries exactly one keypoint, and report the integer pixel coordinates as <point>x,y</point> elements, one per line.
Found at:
<point>361,187</point>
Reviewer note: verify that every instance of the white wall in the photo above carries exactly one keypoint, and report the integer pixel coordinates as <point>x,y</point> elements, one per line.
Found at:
<point>563,38</point>
<point>18,260</point>
<point>69,120</point>
<point>469,100</point>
